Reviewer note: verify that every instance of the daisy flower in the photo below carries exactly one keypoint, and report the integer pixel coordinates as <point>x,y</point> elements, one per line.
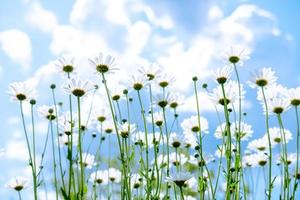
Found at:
<point>114,175</point>
<point>21,91</point>
<point>221,75</point>
<point>138,82</point>
<point>275,134</point>
<point>237,55</point>
<point>245,130</point>
<point>179,178</point>
<point>104,63</point>
<point>152,71</point>
<point>78,87</point>
<point>161,100</point>
<point>88,160</point>
<point>293,95</point>
<point>125,129</point>
<point>65,65</point>
<point>177,159</point>
<point>231,93</point>
<point>259,159</point>
<point>164,80</point>
<point>176,99</point>
<point>191,125</point>
<point>47,112</point>
<point>291,159</point>
<point>277,105</point>
<point>189,141</point>
<point>175,140</point>
<point>262,78</point>
<point>136,181</point>
<point>18,183</point>
<point>158,118</point>
<point>100,177</point>
<point>260,144</point>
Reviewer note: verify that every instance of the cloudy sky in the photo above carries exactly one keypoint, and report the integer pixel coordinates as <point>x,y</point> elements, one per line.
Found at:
<point>186,38</point>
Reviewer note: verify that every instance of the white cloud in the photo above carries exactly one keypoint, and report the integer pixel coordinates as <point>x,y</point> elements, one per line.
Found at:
<point>41,18</point>
<point>116,12</point>
<point>76,42</point>
<point>16,149</point>
<point>81,10</point>
<point>17,46</point>
<point>215,13</point>
<point>1,70</point>
<point>138,36</point>
<point>190,104</point>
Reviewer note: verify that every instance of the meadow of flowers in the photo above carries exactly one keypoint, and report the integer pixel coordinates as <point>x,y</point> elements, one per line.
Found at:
<point>136,145</point>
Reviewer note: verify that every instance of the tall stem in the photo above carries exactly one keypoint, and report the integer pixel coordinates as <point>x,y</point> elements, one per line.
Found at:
<point>80,150</point>
<point>29,152</point>
<point>54,160</point>
<point>297,151</point>
<point>270,145</point>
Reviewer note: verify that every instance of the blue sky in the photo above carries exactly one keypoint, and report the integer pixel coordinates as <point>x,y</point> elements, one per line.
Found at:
<point>185,38</point>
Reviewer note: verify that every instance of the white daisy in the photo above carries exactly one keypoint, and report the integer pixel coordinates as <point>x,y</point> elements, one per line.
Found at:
<point>136,181</point>
<point>275,134</point>
<point>152,71</point>
<point>277,105</point>
<point>231,93</point>
<point>65,65</point>
<point>237,55</point>
<point>191,125</point>
<point>100,177</point>
<point>158,118</point>
<point>175,140</point>
<point>138,82</point>
<point>262,78</point>
<point>125,129</point>
<point>78,87</point>
<point>177,159</point>
<point>164,80</point>
<point>104,63</point>
<point>221,75</point>
<point>293,95</point>
<point>21,91</point>
<point>260,144</point>
<point>179,178</point>
<point>18,183</point>
<point>114,175</point>
<point>47,112</point>
<point>88,160</point>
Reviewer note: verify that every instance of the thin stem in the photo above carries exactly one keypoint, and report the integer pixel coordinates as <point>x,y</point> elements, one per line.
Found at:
<point>58,142</point>
<point>80,150</point>
<point>297,151</point>
<point>19,194</point>
<point>54,160</point>
<point>228,149</point>
<point>270,146</point>
<point>29,151</point>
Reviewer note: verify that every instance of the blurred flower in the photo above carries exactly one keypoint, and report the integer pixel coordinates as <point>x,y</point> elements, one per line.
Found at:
<point>18,183</point>
<point>277,105</point>
<point>104,64</point>
<point>138,82</point>
<point>114,175</point>
<point>21,91</point>
<point>231,93</point>
<point>164,80</point>
<point>47,112</point>
<point>276,135</point>
<point>179,178</point>
<point>78,87</point>
<point>136,181</point>
<point>175,140</point>
<point>151,72</point>
<point>191,125</point>
<point>293,95</point>
<point>221,75</point>
<point>158,118</point>
<point>262,78</point>
<point>65,65</point>
<point>177,159</point>
<point>260,144</point>
<point>88,160</point>
<point>237,55</point>
<point>100,177</point>
<point>125,129</point>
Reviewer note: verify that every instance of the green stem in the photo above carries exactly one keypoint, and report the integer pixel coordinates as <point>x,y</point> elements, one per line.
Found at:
<point>81,185</point>
<point>270,145</point>
<point>228,149</point>
<point>297,151</point>
<point>54,160</point>
<point>29,152</point>
<point>58,142</point>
